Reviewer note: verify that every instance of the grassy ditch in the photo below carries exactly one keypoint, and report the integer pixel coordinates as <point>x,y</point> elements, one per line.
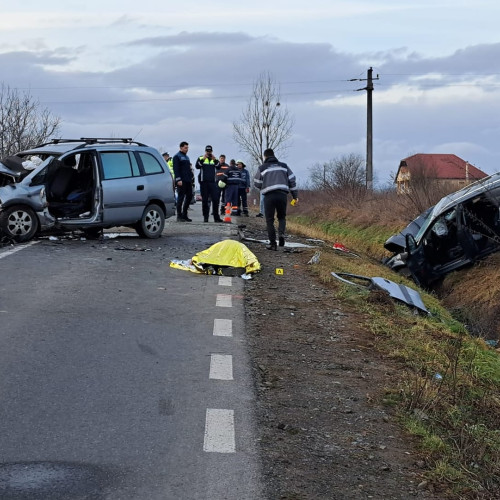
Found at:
<point>447,394</point>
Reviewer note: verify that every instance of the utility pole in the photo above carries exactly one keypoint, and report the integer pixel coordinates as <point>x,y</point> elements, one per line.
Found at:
<point>369,125</point>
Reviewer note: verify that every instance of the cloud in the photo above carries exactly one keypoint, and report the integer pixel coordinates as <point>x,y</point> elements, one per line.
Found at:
<point>192,85</point>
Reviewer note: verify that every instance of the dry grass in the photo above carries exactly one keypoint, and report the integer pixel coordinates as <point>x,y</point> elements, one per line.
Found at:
<point>448,390</point>
<point>474,295</point>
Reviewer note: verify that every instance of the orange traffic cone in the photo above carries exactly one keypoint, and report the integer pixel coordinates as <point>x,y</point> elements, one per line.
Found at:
<point>227,217</point>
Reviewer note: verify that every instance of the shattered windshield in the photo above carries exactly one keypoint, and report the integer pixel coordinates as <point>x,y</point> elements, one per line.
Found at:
<point>15,169</point>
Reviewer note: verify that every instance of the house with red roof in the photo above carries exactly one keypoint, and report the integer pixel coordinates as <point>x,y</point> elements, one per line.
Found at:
<point>444,169</point>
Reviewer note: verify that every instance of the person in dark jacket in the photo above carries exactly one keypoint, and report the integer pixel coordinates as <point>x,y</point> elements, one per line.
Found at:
<point>220,173</point>
<point>183,181</point>
<point>275,180</point>
<point>244,189</point>
<point>233,180</point>
<point>207,165</point>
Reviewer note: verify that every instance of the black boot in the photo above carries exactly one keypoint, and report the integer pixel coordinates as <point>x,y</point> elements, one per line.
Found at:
<point>272,246</point>
<point>281,241</point>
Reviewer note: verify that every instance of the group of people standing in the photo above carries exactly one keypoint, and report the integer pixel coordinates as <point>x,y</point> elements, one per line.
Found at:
<point>222,184</point>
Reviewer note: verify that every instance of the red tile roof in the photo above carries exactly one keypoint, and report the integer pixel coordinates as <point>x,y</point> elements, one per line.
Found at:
<point>443,166</point>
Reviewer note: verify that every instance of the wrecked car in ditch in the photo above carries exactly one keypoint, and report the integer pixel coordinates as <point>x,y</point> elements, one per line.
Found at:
<point>87,185</point>
<point>461,228</point>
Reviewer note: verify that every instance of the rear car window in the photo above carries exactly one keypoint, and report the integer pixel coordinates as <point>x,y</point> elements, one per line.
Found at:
<point>117,165</point>
<point>150,164</point>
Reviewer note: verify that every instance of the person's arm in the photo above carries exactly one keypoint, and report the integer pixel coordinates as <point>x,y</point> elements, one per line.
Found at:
<point>199,162</point>
<point>292,183</point>
<point>177,171</point>
<point>257,181</point>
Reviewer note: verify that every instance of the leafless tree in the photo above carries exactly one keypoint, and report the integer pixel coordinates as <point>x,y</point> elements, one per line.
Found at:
<point>23,122</point>
<point>265,122</point>
<point>343,178</point>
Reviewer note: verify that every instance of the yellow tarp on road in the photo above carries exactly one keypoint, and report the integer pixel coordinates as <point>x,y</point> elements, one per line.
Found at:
<point>226,253</point>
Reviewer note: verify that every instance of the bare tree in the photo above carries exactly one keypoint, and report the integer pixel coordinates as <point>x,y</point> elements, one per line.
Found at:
<point>23,123</point>
<point>265,122</point>
<point>343,178</point>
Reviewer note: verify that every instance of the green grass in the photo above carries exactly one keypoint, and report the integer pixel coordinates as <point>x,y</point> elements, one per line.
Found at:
<point>447,393</point>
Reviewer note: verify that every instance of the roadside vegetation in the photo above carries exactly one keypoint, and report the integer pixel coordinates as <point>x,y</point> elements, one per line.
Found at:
<point>447,393</point>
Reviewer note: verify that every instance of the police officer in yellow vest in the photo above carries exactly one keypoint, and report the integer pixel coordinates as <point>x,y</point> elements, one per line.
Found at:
<point>207,165</point>
<point>170,163</point>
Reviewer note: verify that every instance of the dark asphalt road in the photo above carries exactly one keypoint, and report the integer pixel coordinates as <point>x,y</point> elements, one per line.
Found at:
<point>106,355</point>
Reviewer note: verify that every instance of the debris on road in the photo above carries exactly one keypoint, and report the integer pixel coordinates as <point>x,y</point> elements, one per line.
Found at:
<point>315,258</point>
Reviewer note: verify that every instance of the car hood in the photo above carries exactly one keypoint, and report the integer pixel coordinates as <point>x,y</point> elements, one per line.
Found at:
<point>12,170</point>
<point>397,242</point>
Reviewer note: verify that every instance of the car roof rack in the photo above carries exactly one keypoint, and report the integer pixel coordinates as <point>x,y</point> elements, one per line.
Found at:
<point>93,140</point>
<point>98,140</point>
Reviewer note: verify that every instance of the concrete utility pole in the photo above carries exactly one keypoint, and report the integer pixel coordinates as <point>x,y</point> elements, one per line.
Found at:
<point>369,126</point>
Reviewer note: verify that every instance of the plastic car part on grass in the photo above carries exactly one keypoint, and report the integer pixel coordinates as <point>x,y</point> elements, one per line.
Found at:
<point>340,247</point>
<point>397,291</point>
<point>222,255</point>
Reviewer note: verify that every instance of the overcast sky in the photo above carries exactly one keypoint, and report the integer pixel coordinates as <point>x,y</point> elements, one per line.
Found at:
<point>162,72</point>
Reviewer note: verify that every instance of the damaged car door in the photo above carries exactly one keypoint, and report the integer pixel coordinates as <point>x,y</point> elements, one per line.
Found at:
<point>439,250</point>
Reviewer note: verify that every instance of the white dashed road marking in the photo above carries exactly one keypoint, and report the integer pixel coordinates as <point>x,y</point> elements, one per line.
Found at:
<point>223,328</point>
<point>225,281</point>
<point>221,367</point>
<point>224,300</point>
<point>219,431</point>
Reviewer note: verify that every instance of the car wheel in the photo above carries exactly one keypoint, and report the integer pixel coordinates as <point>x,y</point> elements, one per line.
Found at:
<point>19,223</point>
<point>152,222</point>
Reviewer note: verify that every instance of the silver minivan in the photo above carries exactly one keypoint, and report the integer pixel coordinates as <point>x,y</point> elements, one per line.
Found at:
<point>85,184</point>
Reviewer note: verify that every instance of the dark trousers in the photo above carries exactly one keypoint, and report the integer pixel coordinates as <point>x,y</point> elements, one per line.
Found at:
<point>231,197</point>
<point>242,201</point>
<point>184,195</point>
<point>275,201</point>
<point>209,196</point>
<point>222,201</point>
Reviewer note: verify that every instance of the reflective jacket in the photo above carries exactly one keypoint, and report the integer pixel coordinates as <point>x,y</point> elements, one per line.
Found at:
<point>275,175</point>
<point>233,175</point>
<point>170,163</point>
<point>207,168</point>
<point>220,171</point>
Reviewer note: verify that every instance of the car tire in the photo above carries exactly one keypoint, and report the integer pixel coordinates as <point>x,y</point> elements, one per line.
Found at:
<point>152,222</point>
<point>19,223</point>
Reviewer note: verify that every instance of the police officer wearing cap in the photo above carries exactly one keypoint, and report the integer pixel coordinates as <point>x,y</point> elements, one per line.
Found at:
<point>207,165</point>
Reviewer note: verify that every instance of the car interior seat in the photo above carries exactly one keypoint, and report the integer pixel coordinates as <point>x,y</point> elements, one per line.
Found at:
<point>65,195</point>
<point>62,183</point>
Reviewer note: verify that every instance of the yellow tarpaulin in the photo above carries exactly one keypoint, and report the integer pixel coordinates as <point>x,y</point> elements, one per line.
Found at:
<point>226,253</point>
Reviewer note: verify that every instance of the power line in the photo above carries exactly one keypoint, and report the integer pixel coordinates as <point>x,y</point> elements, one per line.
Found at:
<point>197,98</point>
<point>181,85</point>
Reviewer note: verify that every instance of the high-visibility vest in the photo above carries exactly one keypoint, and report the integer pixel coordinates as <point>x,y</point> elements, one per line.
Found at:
<point>207,161</point>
